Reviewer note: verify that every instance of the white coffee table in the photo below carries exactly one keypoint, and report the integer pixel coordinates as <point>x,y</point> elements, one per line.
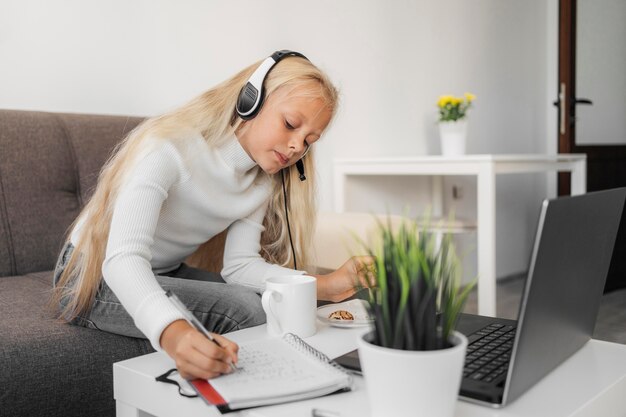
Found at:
<point>590,383</point>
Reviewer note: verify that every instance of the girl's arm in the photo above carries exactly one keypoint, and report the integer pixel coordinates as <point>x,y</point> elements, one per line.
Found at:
<point>128,272</point>
<point>344,282</point>
<point>127,269</point>
<point>244,265</point>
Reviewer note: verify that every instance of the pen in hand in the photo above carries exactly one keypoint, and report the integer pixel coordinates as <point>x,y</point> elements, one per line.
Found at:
<point>194,321</point>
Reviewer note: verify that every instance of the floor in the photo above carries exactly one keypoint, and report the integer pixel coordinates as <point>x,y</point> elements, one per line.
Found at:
<point>610,324</point>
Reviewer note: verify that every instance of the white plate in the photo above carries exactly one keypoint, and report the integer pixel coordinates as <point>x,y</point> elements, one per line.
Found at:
<point>358,308</point>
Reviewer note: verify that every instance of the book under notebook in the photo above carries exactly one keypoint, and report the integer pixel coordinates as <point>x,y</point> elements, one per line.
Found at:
<point>274,371</point>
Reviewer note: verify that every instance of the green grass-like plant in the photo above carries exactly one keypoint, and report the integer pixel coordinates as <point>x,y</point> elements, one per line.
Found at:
<point>418,294</point>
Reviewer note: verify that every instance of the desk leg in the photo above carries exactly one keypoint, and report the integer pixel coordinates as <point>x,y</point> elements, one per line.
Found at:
<point>579,178</point>
<point>487,242</point>
<point>437,196</point>
<point>340,190</point>
<point>124,410</point>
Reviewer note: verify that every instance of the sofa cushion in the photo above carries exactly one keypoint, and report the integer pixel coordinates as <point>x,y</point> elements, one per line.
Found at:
<point>48,165</point>
<point>92,139</point>
<point>38,352</point>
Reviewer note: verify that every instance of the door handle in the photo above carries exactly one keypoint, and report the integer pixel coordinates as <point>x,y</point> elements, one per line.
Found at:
<point>573,101</point>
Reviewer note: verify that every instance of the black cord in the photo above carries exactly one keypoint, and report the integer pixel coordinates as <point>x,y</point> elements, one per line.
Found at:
<point>293,252</point>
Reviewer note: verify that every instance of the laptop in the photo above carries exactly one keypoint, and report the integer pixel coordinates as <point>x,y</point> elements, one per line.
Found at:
<point>568,268</point>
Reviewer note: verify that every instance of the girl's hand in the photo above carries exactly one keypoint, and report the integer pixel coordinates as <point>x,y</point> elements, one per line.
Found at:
<point>357,272</point>
<point>194,354</point>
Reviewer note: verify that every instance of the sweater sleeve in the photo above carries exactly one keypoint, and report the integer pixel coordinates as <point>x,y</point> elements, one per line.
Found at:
<point>126,268</point>
<point>243,263</point>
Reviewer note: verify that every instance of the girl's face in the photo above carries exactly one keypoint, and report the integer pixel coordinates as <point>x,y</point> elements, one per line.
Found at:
<point>286,125</point>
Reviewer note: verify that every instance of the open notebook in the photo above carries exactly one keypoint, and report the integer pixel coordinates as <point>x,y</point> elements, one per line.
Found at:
<point>273,371</point>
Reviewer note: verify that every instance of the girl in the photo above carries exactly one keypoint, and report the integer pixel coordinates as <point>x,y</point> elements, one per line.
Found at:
<point>178,180</point>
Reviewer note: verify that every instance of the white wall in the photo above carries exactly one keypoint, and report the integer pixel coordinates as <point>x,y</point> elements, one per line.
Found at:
<point>390,59</point>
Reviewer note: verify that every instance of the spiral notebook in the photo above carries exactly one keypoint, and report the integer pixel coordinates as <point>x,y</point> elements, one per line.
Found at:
<point>274,371</point>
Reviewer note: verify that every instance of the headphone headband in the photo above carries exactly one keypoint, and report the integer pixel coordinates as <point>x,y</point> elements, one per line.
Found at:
<point>252,94</point>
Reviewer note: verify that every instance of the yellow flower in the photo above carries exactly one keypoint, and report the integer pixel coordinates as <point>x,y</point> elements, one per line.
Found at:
<point>453,108</point>
<point>443,101</point>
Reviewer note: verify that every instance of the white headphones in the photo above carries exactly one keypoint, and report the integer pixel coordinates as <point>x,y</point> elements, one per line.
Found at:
<point>252,94</point>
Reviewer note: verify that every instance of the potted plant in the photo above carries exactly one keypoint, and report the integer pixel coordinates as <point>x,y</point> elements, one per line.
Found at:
<point>453,123</point>
<point>413,358</point>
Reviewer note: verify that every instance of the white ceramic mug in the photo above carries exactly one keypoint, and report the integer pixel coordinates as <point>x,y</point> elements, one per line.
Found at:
<point>290,302</point>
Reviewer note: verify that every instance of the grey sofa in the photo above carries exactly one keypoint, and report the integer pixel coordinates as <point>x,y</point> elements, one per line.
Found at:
<point>48,165</point>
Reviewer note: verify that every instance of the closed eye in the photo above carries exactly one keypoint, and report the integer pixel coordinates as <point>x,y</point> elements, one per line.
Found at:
<point>288,125</point>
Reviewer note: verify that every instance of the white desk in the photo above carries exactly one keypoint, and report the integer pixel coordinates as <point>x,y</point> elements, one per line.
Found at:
<point>485,168</point>
<point>592,383</point>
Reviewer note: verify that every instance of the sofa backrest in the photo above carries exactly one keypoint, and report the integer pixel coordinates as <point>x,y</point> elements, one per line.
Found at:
<point>49,164</point>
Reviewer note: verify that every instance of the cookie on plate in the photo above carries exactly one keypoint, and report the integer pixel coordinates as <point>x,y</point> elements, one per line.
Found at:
<point>341,315</point>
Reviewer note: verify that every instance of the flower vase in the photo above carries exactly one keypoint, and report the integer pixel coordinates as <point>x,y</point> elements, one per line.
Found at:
<point>453,136</point>
<point>402,383</point>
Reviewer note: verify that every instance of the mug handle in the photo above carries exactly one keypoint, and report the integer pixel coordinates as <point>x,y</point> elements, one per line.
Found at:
<point>266,299</point>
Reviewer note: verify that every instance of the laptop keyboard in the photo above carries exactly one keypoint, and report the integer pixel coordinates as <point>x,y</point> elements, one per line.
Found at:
<point>489,352</point>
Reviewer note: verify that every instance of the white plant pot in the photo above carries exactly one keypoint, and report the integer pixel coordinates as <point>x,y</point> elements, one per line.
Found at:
<point>403,383</point>
<point>453,137</point>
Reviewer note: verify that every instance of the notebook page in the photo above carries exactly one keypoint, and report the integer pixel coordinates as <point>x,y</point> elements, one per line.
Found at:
<point>272,368</point>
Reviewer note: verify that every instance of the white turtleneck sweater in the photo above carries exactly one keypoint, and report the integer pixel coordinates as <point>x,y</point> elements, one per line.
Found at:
<point>176,197</point>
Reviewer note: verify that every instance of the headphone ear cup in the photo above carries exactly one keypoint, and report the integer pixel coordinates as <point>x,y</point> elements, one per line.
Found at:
<point>247,105</point>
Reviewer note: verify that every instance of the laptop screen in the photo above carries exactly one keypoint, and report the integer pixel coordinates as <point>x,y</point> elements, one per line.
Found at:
<point>568,267</point>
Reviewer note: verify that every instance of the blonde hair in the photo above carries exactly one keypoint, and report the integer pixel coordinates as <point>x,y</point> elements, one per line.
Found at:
<point>213,115</point>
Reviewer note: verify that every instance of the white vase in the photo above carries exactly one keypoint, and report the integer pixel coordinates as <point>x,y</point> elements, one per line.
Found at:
<point>453,135</point>
<point>403,383</point>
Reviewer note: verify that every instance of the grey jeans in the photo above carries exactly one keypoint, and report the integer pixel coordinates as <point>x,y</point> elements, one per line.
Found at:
<point>219,306</point>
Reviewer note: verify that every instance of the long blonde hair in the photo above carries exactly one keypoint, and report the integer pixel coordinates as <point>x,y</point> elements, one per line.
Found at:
<point>213,115</point>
